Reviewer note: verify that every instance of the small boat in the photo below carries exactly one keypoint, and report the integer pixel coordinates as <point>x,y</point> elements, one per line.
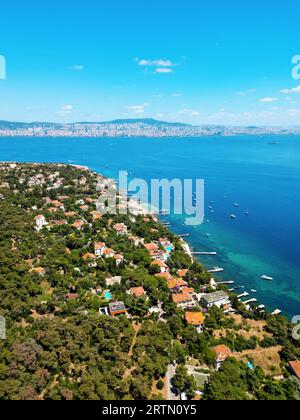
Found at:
<point>268,278</point>
<point>247,213</point>
<point>216,270</point>
<point>253,291</point>
<point>236,205</point>
<point>207,234</point>
<point>233,216</point>
<point>212,211</point>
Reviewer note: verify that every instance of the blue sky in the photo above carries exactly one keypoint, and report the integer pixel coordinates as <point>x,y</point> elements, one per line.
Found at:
<point>194,61</point>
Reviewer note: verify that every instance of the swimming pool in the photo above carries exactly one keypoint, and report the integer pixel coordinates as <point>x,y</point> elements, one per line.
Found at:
<point>107,295</point>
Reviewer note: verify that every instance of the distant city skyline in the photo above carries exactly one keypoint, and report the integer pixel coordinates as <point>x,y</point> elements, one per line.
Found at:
<point>197,63</point>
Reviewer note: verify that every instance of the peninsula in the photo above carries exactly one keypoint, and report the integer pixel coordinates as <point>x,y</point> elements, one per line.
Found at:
<point>113,307</point>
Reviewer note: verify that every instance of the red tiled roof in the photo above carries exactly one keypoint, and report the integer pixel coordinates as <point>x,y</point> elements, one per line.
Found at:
<point>295,366</point>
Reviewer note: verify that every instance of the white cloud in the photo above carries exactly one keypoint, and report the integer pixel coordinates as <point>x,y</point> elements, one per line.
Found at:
<point>161,65</point>
<point>78,67</point>
<point>164,70</point>
<point>268,100</point>
<point>156,63</point>
<point>293,90</point>
<point>189,112</point>
<point>65,110</point>
<point>138,109</point>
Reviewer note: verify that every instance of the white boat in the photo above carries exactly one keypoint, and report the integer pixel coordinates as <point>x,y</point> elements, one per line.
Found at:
<point>268,278</point>
<point>236,205</point>
<point>216,270</point>
<point>233,216</point>
<point>253,291</point>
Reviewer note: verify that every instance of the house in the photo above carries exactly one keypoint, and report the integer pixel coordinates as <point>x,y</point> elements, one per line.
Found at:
<point>119,258</point>
<point>117,308</point>
<point>163,267</point>
<point>84,207</point>
<point>218,299</point>
<point>295,368</point>
<point>196,319</point>
<point>78,224</point>
<point>40,222</point>
<point>222,354</point>
<point>165,276</point>
<point>70,213</point>
<point>136,240</point>
<point>109,253</point>
<point>182,273</point>
<point>113,281</point>
<point>96,215</point>
<point>99,248</point>
<point>174,283</point>
<point>121,229</point>
<point>40,271</point>
<point>182,299</point>
<point>90,258</point>
<point>151,247</point>
<point>137,292</point>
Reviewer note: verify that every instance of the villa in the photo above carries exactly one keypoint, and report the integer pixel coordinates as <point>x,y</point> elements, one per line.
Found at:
<point>218,299</point>
<point>163,267</point>
<point>295,368</point>
<point>109,253</point>
<point>119,258</point>
<point>90,258</point>
<point>222,354</point>
<point>117,308</point>
<point>121,229</point>
<point>78,224</point>
<point>182,299</point>
<point>137,292</point>
<point>99,248</point>
<point>40,222</point>
<point>113,281</point>
<point>196,319</point>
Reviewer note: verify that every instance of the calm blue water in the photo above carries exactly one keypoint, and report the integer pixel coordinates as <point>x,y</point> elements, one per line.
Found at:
<point>264,179</point>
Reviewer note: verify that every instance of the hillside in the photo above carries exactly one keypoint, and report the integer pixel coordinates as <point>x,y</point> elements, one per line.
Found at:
<point>100,306</point>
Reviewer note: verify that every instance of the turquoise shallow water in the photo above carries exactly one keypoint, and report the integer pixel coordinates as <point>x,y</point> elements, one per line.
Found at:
<point>263,178</point>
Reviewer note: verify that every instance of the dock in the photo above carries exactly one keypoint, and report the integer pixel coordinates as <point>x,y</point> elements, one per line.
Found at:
<point>245,294</point>
<point>226,282</point>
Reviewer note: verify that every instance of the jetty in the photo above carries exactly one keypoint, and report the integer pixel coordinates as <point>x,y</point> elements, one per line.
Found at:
<point>250,301</point>
<point>226,282</point>
<point>245,294</point>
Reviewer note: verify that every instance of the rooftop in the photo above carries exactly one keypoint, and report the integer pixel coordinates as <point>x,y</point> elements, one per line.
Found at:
<point>295,366</point>
<point>194,318</point>
<point>215,297</point>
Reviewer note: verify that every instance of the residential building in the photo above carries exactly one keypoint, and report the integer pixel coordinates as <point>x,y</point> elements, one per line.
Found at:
<point>222,354</point>
<point>121,229</point>
<point>137,292</point>
<point>99,248</point>
<point>40,222</point>
<point>196,319</point>
<point>117,308</point>
<point>218,299</point>
<point>295,368</point>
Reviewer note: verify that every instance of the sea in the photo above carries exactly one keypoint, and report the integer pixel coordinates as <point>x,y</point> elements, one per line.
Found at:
<point>259,174</point>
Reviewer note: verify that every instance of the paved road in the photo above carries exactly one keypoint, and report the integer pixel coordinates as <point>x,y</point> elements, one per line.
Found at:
<point>170,374</point>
